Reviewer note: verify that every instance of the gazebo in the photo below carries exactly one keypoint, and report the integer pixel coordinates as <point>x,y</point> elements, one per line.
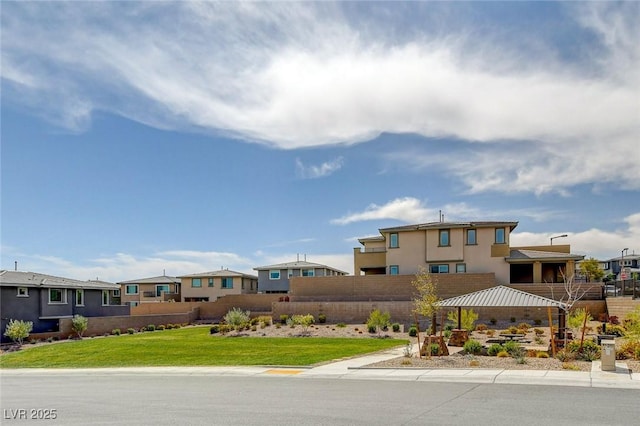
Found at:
<point>499,297</point>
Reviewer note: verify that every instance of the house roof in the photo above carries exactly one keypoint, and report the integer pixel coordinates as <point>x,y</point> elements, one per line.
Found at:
<point>34,279</point>
<point>220,273</point>
<point>162,279</point>
<point>500,296</point>
<point>448,225</point>
<point>519,255</point>
<point>295,265</point>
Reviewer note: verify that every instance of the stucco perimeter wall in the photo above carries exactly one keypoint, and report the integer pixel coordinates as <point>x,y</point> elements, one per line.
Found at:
<point>401,311</point>
<point>164,308</point>
<point>350,288</point>
<point>99,326</point>
<point>255,303</point>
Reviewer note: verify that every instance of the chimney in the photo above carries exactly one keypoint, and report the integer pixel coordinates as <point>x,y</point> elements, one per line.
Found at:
<point>16,265</point>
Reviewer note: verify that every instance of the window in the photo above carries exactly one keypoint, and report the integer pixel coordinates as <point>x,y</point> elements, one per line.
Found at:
<point>471,237</point>
<point>210,282</point>
<point>105,297</point>
<point>227,282</point>
<point>274,275</point>
<point>439,269</point>
<point>500,239</point>
<point>461,268</point>
<point>444,237</point>
<point>393,240</point>
<point>133,303</point>
<point>161,288</point>
<point>57,295</point>
<point>131,289</point>
<point>196,282</point>
<point>79,297</point>
<point>394,270</point>
<point>290,273</point>
<point>116,293</point>
<point>308,272</point>
<point>23,292</point>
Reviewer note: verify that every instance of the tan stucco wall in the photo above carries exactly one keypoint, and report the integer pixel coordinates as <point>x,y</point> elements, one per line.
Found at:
<point>216,291</point>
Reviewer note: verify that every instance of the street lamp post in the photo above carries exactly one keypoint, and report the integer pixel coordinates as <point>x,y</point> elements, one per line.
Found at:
<point>558,236</point>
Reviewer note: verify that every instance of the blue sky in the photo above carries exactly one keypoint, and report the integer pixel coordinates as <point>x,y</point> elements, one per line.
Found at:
<point>183,137</point>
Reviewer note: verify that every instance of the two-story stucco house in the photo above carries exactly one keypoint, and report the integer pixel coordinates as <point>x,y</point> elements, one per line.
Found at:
<point>275,278</point>
<point>150,290</point>
<point>209,286</point>
<point>45,299</point>
<point>461,247</point>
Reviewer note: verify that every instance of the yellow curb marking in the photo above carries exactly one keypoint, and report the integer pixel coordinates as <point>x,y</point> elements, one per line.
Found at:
<point>283,371</point>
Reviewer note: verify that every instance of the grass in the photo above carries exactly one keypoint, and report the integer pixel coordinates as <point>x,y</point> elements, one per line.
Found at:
<point>191,346</point>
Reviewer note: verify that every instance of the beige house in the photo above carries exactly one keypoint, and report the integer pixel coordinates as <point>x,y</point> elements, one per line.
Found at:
<point>461,247</point>
<point>149,290</point>
<point>210,286</point>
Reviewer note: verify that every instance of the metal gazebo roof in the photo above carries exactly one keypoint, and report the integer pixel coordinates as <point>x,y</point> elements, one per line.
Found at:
<point>500,296</point>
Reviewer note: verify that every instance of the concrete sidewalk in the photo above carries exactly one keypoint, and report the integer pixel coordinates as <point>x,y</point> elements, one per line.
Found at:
<point>356,368</point>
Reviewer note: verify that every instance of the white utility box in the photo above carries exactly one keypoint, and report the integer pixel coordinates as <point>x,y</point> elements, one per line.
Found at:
<point>608,355</point>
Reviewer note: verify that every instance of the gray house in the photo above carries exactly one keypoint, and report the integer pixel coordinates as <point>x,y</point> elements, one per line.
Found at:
<point>275,278</point>
<point>45,299</point>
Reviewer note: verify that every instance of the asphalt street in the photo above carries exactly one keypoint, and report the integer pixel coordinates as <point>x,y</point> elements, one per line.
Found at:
<point>283,399</point>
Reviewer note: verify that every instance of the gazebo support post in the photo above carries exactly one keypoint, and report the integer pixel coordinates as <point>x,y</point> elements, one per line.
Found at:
<point>459,317</point>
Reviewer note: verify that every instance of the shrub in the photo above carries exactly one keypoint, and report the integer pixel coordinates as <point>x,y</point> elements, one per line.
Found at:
<point>447,333</point>
<point>613,319</point>
<point>542,354</point>
<point>225,328</point>
<point>341,325</point>
<point>538,331</point>
<point>161,327</point>
<point>513,348</point>
<point>503,354</point>
<point>472,346</point>
<point>214,329</point>
<point>79,324</point>
<point>237,319</point>
<point>151,327</point>
<point>435,349</point>
<point>537,321</point>
<point>284,318</point>
<point>115,331</point>
<point>18,330</point>
<point>322,318</point>
<point>494,349</point>
<point>493,321</point>
<point>491,332</point>
<point>303,320</point>
<point>629,349</point>
<point>131,330</point>
<point>512,319</point>
<point>395,327</point>
<point>254,327</point>
<point>467,320</point>
<point>481,327</point>
<point>372,328</point>
<point>613,330</point>
<point>413,331</point>
<point>513,330</point>
<point>565,356</point>
<point>524,326</point>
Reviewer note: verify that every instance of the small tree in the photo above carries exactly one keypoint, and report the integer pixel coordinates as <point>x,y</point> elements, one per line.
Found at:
<point>79,324</point>
<point>303,320</point>
<point>426,301</point>
<point>379,320</point>
<point>237,318</point>
<point>18,330</point>
<point>572,293</point>
<point>590,268</point>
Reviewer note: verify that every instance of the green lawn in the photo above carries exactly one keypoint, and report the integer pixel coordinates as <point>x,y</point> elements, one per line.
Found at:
<point>192,346</point>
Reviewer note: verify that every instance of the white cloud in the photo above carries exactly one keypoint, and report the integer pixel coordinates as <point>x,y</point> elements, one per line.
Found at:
<point>312,171</point>
<point>302,74</point>
<point>413,210</point>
